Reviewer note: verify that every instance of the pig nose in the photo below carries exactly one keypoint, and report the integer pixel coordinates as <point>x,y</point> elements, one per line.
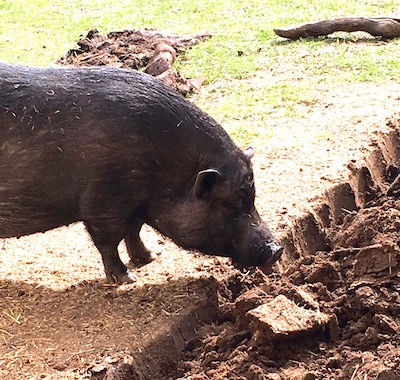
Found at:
<point>276,250</point>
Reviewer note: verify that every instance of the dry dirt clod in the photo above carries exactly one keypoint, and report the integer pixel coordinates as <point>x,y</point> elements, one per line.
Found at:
<point>308,237</point>
<point>282,318</point>
<point>302,297</point>
<point>341,201</point>
<point>374,259</point>
<point>162,60</point>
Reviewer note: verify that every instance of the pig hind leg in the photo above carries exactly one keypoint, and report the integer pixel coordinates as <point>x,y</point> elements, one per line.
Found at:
<point>138,253</point>
<point>107,243</point>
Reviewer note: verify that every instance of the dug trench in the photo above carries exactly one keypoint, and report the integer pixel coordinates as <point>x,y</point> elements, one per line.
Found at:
<point>329,310</point>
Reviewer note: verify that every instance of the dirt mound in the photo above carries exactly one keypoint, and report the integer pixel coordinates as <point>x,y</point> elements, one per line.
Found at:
<point>331,309</point>
<point>147,49</point>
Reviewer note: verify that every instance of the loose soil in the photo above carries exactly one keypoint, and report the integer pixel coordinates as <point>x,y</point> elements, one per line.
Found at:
<point>147,49</point>
<point>328,310</point>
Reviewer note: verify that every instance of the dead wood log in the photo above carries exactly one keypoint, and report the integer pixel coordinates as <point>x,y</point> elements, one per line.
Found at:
<point>385,27</point>
<point>162,60</point>
<point>160,66</point>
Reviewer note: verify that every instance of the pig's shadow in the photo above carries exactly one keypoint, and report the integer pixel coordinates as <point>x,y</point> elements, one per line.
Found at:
<point>152,322</point>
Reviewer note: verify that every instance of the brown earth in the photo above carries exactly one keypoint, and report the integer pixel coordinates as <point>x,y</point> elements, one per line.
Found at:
<point>327,184</point>
<point>147,49</point>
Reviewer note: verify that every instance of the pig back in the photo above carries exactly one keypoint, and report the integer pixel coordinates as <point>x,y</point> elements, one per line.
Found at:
<point>62,130</point>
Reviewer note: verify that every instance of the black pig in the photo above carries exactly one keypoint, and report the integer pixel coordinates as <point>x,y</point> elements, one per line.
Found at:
<point>115,149</point>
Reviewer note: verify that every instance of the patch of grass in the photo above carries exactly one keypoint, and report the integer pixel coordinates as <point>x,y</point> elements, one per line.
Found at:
<point>250,100</point>
<point>357,58</point>
<point>243,135</point>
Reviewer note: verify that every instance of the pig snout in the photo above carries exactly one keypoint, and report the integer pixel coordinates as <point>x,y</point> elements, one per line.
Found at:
<point>261,254</point>
<point>275,251</point>
<point>254,245</point>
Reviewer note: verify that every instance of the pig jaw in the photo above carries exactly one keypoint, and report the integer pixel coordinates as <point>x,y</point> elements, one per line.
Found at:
<point>247,241</point>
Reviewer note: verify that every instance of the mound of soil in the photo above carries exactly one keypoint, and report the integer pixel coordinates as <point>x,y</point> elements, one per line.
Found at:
<point>147,49</point>
<point>331,309</point>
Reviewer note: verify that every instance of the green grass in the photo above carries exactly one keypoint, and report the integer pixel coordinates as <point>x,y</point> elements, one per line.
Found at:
<point>244,99</point>
<point>38,32</point>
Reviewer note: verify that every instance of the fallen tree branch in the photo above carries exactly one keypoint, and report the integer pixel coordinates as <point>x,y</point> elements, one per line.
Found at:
<point>385,27</point>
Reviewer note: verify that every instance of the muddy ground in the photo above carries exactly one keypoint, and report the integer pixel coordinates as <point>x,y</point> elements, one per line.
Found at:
<point>328,310</point>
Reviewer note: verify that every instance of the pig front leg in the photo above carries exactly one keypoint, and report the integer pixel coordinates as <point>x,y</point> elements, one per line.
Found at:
<point>116,271</point>
<point>138,253</point>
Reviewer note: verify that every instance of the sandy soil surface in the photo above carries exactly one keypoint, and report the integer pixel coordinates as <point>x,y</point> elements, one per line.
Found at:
<point>196,317</point>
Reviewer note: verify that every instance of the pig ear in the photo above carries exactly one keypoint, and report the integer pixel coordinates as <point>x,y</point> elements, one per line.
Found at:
<point>205,182</point>
<point>249,152</point>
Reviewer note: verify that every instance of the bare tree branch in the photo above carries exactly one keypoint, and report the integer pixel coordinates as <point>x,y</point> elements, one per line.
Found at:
<point>385,27</point>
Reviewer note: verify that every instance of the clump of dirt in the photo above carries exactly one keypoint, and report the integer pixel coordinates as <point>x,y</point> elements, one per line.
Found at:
<point>331,309</point>
<point>147,49</point>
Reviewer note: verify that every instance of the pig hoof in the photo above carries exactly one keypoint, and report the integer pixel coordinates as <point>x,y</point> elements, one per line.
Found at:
<point>125,278</point>
<point>143,259</point>
<point>129,277</point>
